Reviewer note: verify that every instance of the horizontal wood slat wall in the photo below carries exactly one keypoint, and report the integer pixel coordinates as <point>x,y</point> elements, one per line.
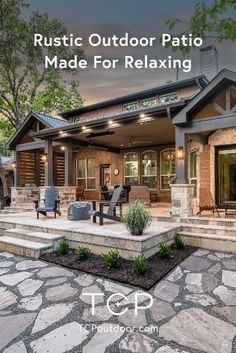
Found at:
<point>59,169</point>
<point>27,168</point>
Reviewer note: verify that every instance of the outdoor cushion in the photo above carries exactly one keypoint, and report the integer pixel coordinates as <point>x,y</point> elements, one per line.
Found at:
<point>78,211</point>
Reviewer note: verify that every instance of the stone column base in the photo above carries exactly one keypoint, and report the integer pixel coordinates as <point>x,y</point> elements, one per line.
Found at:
<point>24,195</point>
<point>182,200</point>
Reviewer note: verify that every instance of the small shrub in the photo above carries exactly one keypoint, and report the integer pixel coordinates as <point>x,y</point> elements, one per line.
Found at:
<point>165,250</point>
<point>63,247</point>
<point>179,242</point>
<point>83,253</point>
<point>137,218</point>
<point>112,259</point>
<point>140,265</point>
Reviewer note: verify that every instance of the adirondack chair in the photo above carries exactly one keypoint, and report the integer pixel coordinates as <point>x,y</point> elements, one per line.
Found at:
<point>51,203</point>
<point>206,202</point>
<point>111,213</point>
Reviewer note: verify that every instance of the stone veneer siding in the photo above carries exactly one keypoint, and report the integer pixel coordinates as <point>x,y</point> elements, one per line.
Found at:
<point>181,200</point>
<point>24,195</point>
<point>67,194</point>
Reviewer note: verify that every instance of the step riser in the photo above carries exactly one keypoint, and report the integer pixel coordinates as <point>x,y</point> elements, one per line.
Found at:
<point>215,222</point>
<point>209,231</point>
<point>19,250</point>
<point>211,244</point>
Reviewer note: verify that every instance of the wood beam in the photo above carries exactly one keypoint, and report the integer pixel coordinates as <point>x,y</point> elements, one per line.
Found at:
<point>68,165</point>
<point>48,149</point>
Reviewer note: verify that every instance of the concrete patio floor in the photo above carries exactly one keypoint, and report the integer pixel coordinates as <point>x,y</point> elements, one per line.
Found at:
<point>43,309</point>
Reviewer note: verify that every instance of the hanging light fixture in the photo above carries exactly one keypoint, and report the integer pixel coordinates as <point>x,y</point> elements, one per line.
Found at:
<point>44,158</point>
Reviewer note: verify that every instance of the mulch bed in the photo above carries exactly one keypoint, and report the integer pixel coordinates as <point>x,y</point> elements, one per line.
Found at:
<point>157,269</point>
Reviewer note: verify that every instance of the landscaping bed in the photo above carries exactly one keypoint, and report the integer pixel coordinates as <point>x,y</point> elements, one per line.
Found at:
<point>158,266</point>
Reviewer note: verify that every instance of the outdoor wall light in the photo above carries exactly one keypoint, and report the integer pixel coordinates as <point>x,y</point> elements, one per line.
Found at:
<point>180,152</point>
<point>44,158</point>
<point>13,165</point>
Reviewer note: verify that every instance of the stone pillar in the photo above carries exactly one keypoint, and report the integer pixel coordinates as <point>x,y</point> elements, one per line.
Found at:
<point>68,165</point>
<point>182,200</point>
<point>48,150</point>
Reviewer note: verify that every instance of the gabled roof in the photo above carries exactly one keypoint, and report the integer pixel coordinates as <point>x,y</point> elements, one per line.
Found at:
<point>201,81</point>
<point>223,76</point>
<point>47,120</point>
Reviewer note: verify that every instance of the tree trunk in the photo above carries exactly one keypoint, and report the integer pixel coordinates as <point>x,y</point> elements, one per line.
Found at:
<point>3,178</point>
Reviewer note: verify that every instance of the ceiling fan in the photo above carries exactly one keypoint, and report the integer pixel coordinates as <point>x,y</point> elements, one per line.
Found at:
<point>132,141</point>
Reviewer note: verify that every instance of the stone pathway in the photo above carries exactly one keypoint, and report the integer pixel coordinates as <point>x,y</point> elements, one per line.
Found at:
<point>46,309</point>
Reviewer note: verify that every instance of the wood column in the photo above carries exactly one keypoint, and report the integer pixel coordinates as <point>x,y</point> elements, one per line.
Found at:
<point>17,169</point>
<point>48,150</point>
<point>68,165</point>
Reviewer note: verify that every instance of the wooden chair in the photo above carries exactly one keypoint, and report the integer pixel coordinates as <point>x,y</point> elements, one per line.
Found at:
<point>80,193</point>
<point>51,203</point>
<point>206,202</point>
<point>111,213</point>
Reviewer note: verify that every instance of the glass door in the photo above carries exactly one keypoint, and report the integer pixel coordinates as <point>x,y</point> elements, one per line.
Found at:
<point>226,174</point>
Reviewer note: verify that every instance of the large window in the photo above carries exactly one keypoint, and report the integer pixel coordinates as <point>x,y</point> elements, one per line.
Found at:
<point>86,172</point>
<point>149,102</point>
<point>131,168</point>
<point>193,169</point>
<point>167,168</point>
<point>149,169</point>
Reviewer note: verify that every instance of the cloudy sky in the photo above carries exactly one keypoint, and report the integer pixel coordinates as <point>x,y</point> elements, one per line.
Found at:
<point>138,18</point>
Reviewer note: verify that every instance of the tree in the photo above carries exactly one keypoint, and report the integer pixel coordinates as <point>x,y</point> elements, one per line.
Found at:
<point>25,84</point>
<point>22,73</point>
<point>216,20</point>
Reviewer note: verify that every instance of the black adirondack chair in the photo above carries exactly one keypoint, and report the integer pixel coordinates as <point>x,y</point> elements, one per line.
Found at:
<point>51,203</point>
<point>111,213</point>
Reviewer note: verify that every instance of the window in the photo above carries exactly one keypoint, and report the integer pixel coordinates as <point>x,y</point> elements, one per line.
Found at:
<point>171,97</point>
<point>130,106</point>
<point>86,172</point>
<point>131,169</point>
<point>149,102</point>
<point>193,169</point>
<point>167,168</point>
<point>149,169</point>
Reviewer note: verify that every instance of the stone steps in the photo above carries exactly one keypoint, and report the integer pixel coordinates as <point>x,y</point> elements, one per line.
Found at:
<point>223,222</point>
<point>27,243</point>
<point>209,229</point>
<point>210,241</point>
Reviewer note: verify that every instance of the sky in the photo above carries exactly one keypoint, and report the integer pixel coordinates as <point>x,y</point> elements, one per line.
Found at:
<point>139,18</point>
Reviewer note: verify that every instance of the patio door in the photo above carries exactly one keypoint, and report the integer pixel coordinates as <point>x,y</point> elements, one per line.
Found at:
<point>225,174</point>
<point>105,175</point>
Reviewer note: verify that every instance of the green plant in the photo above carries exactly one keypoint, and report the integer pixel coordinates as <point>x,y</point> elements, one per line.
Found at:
<point>137,218</point>
<point>165,250</point>
<point>179,242</point>
<point>112,258</point>
<point>63,247</point>
<point>140,264</point>
<point>83,253</point>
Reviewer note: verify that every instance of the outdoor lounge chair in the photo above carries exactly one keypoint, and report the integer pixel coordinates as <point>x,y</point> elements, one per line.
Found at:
<point>51,203</point>
<point>206,202</point>
<point>111,213</point>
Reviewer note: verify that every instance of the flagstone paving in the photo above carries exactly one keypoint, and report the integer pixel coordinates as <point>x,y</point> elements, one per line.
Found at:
<point>44,309</point>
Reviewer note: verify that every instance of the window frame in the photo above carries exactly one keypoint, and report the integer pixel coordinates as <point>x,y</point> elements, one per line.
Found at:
<point>151,175</point>
<point>131,110</point>
<point>162,174</point>
<point>86,178</point>
<point>138,171</point>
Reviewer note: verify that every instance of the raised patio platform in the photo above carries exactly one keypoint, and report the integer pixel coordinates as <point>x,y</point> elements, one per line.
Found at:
<point>100,239</point>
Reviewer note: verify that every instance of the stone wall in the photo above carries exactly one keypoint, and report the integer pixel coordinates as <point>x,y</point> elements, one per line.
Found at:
<point>67,194</point>
<point>181,200</point>
<point>24,195</point>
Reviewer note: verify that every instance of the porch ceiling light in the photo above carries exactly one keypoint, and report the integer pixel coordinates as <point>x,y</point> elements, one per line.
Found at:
<point>180,152</point>
<point>83,127</point>
<point>13,165</point>
<point>142,115</point>
<point>44,158</point>
<point>63,148</point>
<point>110,122</point>
<point>61,132</point>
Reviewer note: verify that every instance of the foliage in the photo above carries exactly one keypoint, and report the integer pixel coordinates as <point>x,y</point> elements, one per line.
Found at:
<point>83,253</point>
<point>22,73</point>
<point>63,247</point>
<point>216,19</point>
<point>6,131</point>
<point>112,258</point>
<point>179,242</point>
<point>140,264</point>
<point>165,250</point>
<point>137,216</point>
